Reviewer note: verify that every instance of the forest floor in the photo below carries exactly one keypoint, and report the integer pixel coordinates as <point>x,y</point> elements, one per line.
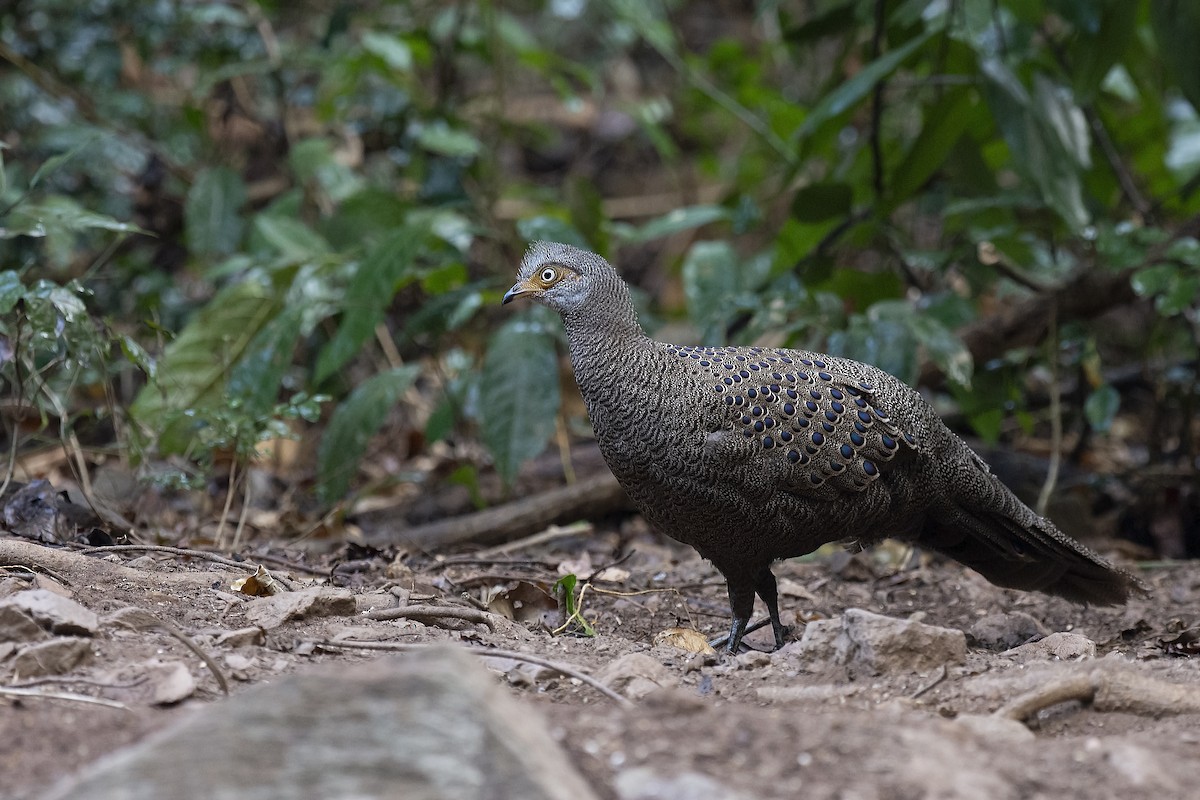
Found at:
<point>795,723</point>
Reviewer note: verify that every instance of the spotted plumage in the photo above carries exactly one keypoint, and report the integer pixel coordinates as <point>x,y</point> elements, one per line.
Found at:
<point>753,454</point>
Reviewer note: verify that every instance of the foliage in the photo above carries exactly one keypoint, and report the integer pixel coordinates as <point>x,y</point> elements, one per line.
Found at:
<point>249,202</point>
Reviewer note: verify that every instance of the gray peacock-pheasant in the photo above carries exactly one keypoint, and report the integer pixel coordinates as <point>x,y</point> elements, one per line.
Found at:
<point>753,454</point>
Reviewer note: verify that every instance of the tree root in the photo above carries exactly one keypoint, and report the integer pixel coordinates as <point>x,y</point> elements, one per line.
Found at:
<point>1107,690</point>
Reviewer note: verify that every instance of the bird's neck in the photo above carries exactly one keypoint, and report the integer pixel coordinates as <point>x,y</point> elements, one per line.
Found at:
<point>605,337</point>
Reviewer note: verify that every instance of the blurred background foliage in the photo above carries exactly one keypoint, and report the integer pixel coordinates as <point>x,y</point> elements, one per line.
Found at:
<point>223,224</point>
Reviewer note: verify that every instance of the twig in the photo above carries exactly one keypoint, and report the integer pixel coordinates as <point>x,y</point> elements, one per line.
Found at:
<point>12,691</point>
<point>141,619</point>
<point>562,669</point>
<point>60,679</point>
<point>434,612</point>
<point>550,534</point>
<point>941,676</point>
<point>216,558</point>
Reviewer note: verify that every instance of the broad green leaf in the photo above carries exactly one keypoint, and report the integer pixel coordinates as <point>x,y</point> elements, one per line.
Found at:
<point>859,86</point>
<point>11,290</point>
<point>681,219</point>
<point>825,200</point>
<point>212,212</point>
<point>351,427</point>
<point>136,354</point>
<point>1047,135</point>
<point>193,368</point>
<point>291,237</point>
<point>944,348</point>
<point>710,280</point>
<point>256,377</point>
<point>518,392</point>
<point>394,51</point>
<point>1176,24</point>
<point>59,214</point>
<point>379,277</point>
<point>944,124</point>
<point>1094,52</point>
<point>1101,407</point>
<point>54,163</point>
<point>439,137</point>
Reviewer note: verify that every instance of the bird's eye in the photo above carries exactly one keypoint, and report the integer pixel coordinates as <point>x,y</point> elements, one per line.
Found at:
<point>549,275</point>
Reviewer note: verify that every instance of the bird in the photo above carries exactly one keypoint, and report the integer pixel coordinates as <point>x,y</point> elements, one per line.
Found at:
<point>755,454</point>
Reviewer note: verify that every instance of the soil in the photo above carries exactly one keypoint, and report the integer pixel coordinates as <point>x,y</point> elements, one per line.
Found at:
<point>755,725</point>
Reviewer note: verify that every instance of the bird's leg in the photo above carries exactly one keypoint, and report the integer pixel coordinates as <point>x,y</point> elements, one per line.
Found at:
<point>741,606</point>
<point>765,587</point>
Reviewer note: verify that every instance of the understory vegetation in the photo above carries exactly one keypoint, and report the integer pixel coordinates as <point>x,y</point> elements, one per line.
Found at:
<point>225,226</point>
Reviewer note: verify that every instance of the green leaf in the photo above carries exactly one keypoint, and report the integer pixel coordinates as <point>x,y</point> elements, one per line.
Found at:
<point>858,87</point>
<point>1101,407</point>
<point>54,163</point>
<point>11,290</point>
<point>710,280</point>
<point>379,277</point>
<point>1092,55</point>
<point>351,427</point>
<point>518,392</point>
<point>136,354</point>
<point>1176,24</point>
<point>439,137</point>
<point>58,214</point>
<point>212,212</point>
<point>944,347</point>
<point>291,237</point>
<point>682,219</point>
<point>394,51</point>
<point>256,377</point>
<point>193,367</point>
<point>822,201</point>
<point>944,125</point>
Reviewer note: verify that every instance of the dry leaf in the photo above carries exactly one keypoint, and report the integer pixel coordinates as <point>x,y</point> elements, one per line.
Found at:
<point>687,639</point>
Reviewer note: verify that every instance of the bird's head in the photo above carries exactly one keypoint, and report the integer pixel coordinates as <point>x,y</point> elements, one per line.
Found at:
<point>560,276</point>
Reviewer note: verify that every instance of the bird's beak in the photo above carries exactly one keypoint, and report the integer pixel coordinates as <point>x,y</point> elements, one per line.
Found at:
<point>515,292</point>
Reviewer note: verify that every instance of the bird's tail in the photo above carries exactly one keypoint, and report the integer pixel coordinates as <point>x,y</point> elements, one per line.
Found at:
<point>1006,542</point>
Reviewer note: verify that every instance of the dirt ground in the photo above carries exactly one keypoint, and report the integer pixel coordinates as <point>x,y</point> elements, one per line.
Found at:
<point>757,725</point>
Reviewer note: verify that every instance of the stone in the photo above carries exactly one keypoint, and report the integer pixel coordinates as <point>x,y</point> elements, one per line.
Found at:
<point>54,613</point>
<point>57,656</point>
<point>636,675</point>
<point>1060,646</point>
<point>433,725</point>
<point>318,601</point>
<point>18,625</point>
<point>883,644</point>
<point>1002,631</point>
<point>643,783</point>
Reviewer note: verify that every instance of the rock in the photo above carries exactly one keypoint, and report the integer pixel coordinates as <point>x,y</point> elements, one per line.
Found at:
<point>990,728</point>
<point>1059,646</point>
<point>17,625</point>
<point>318,601</point>
<point>643,783</point>
<point>1005,630</point>
<point>55,657</point>
<point>428,726</point>
<point>54,613</point>
<point>636,675</point>
<point>169,682</point>
<point>819,642</point>
<point>242,637</point>
<point>882,644</point>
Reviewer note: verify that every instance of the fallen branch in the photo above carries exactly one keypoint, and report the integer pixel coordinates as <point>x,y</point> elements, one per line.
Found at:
<point>1106,690</point>
<point>76,568</point>
<point>427,612</point>
<point>203,555</point>
<point>592,497</point>
<point>14,691</point>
